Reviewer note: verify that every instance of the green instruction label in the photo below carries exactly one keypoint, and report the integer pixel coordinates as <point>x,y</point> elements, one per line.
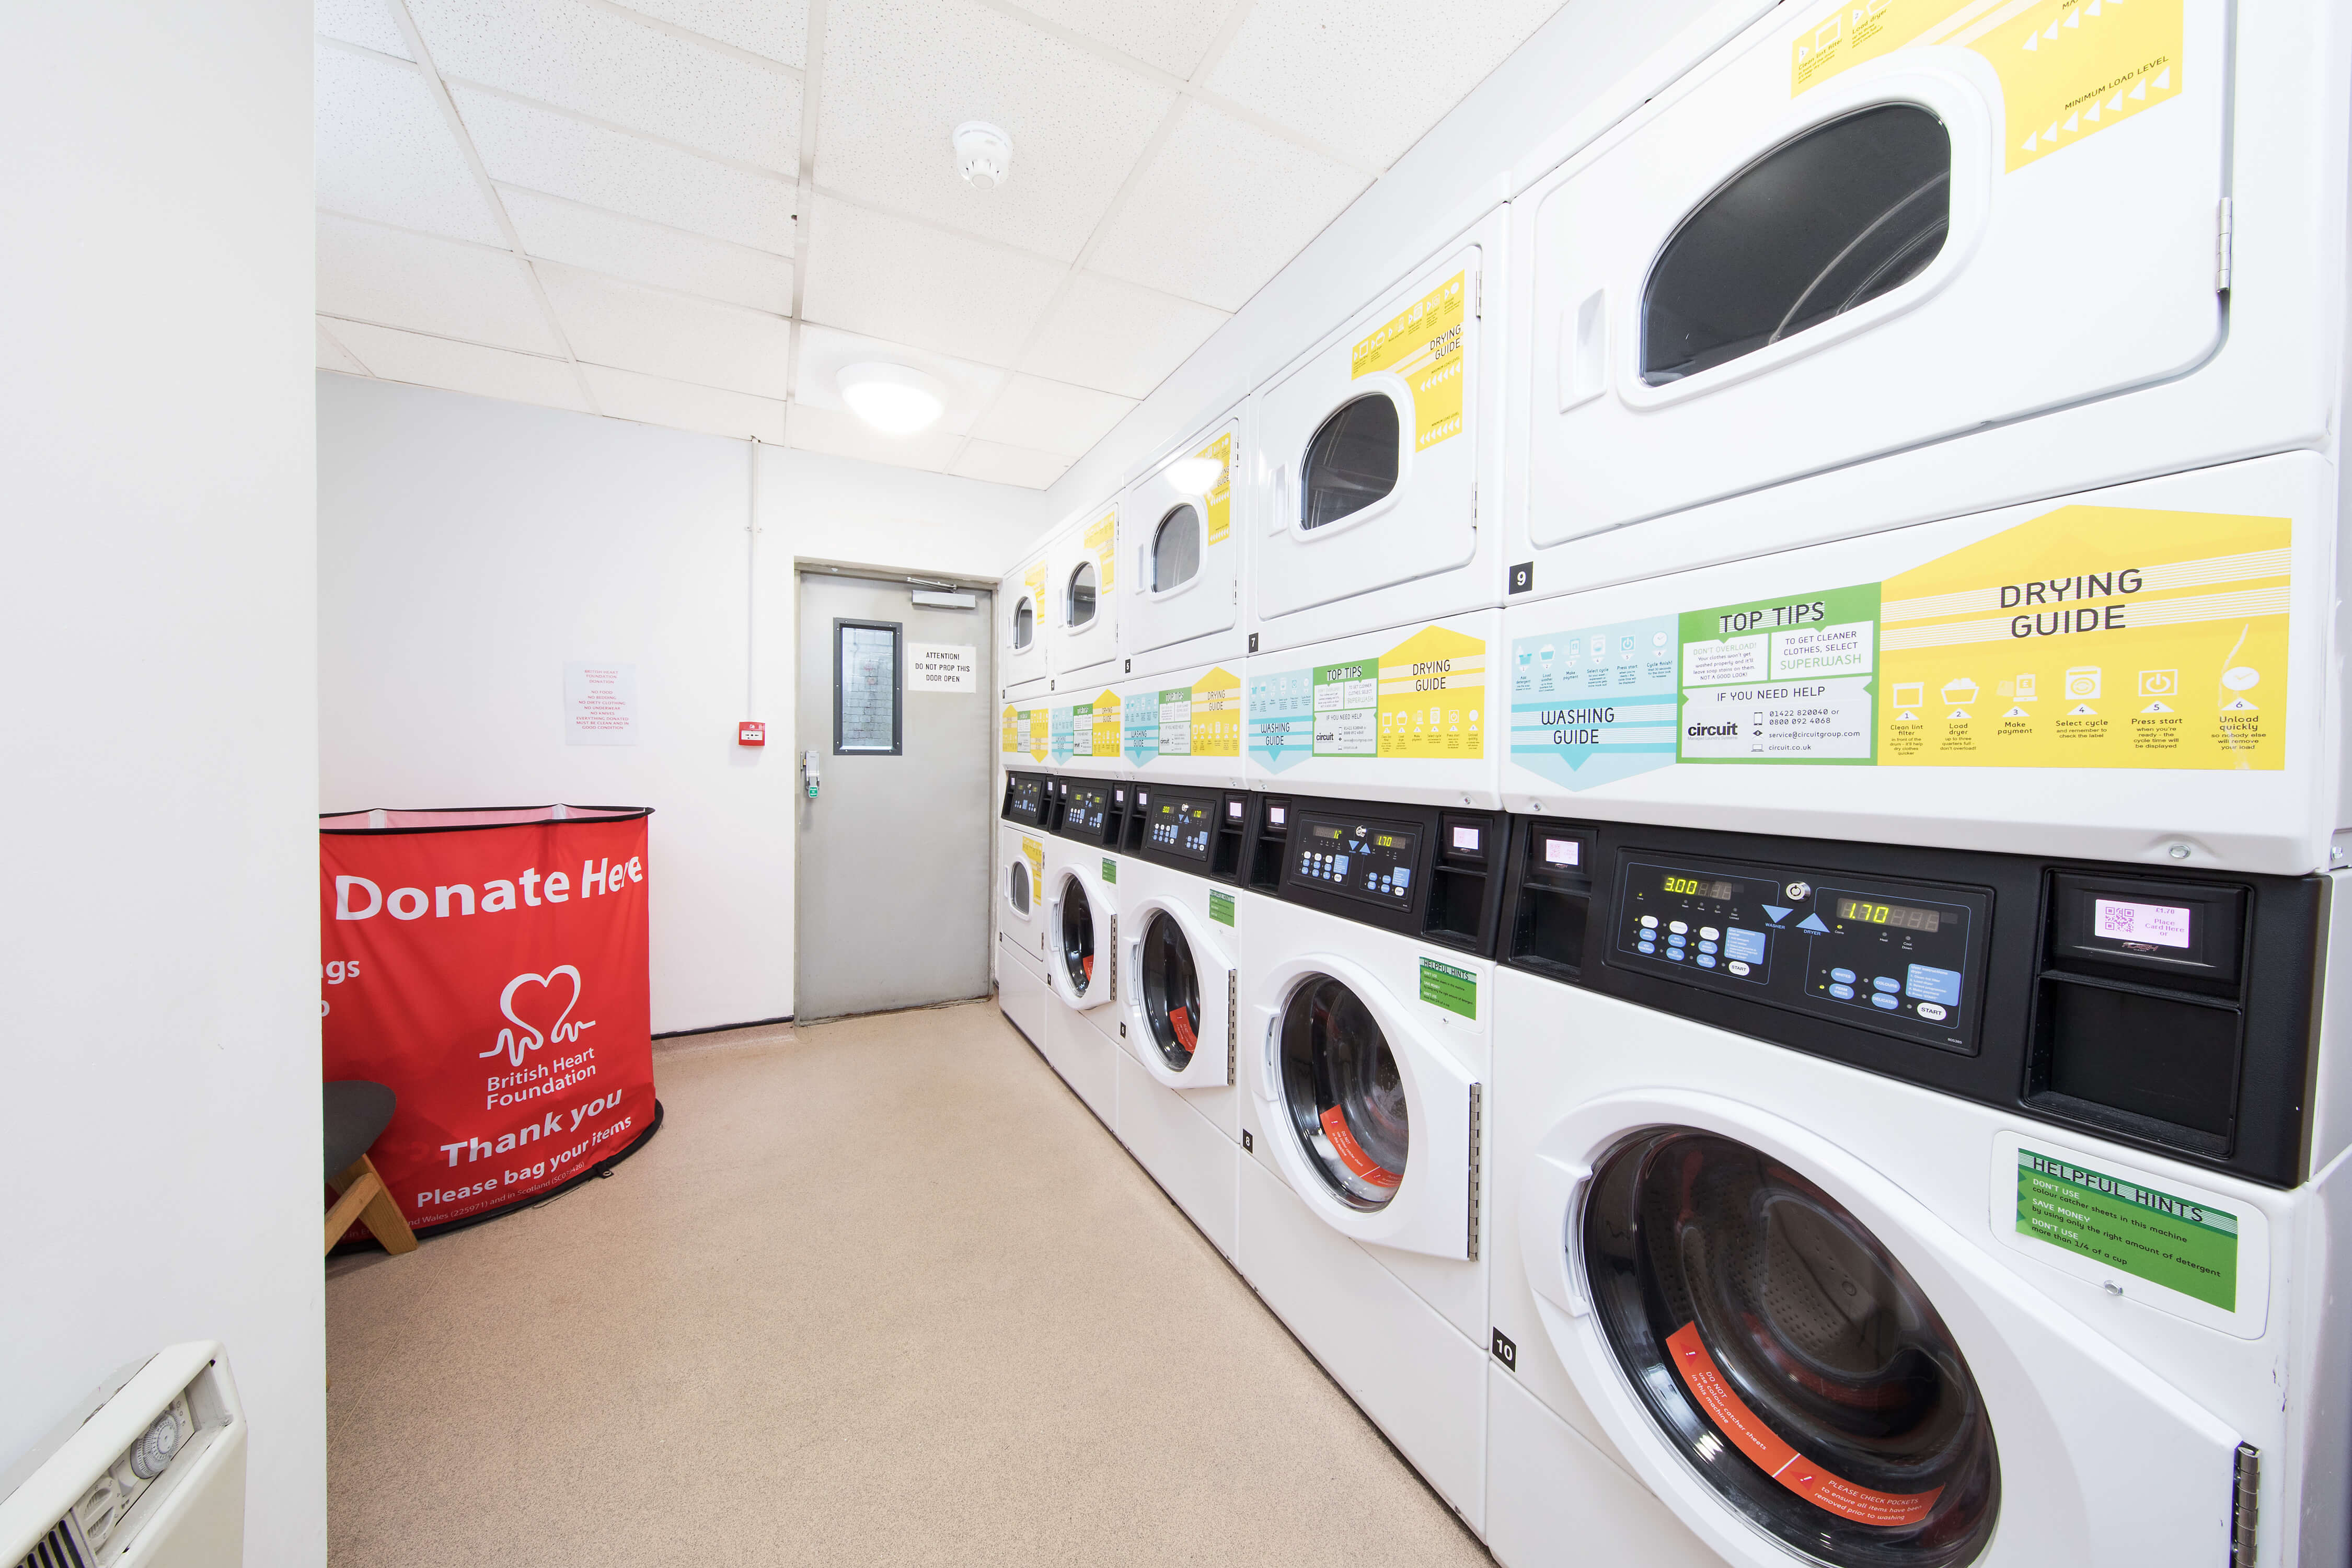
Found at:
<point>1221,907</point>
<point>1110,869</point>
<point>1455,990</point>
<point>1781,681</point>
<point>2179,1242</point>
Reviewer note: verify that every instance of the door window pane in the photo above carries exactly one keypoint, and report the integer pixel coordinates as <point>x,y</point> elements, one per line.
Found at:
<point>1176,549</point>
<point>1080,610</point>
<point>1351,462</point>
<point>865,688</point>
<point>1024,623</point>
<point>1842,215</point>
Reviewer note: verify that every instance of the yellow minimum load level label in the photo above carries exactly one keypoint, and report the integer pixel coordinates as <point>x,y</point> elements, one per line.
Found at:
<point>1217,714</point>
<point>1102,543</point>
<point>1423,344</point>
<point>2068,69</point>
<point>1033,851</point>
<point>1218,503</point>
<point>1433,696</point>
<point>2093,638</point>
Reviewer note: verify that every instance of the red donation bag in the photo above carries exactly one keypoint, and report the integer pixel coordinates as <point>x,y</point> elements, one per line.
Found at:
<point>490,966</point>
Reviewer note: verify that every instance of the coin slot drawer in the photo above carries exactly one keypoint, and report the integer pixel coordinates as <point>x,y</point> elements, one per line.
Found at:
<point>1547,935</point>
<point>2164,1066</point>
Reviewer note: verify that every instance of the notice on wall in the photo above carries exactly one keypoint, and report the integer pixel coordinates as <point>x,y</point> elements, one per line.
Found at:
<point>942,666</point>
<point>600,704</point>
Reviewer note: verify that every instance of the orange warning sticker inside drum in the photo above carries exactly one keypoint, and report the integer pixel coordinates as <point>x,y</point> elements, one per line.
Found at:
<point>1351,1153</point>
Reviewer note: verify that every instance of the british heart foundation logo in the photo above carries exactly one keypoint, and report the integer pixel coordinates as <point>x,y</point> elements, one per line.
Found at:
<point>530,998</point>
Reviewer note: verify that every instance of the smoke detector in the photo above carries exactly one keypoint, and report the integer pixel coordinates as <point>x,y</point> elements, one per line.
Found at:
<point>983,155</point>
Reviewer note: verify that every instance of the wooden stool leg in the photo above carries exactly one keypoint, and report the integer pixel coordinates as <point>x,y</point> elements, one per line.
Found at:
<point>366,1199</point>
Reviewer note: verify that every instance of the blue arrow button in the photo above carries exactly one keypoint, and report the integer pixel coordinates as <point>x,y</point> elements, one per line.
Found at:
<point>1776,913</point>
<point>1813,922</point>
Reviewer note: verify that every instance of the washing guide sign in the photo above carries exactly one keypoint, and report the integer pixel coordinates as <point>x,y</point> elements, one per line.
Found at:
<point>2182,1244</point>
<point>2087,637</point>
<point>1423,344</point>
<point>1202,719</point>
<point>1423,699</point>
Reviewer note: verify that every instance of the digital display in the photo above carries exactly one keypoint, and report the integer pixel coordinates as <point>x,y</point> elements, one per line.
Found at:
<point>2160,925</point>
<point>1276,816</point>
<point>1561,851</point>
<point>1359,860</point>
<point>1391,841</point>
<point>1902,917</point>
<point>1232,811</point>
<point>1088,805</point>
<point>1465,839</point>
<point>1319,831</point>
<point>1697,886</point>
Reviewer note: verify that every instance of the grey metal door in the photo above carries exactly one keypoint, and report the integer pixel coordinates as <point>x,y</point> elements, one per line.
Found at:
<point>892,887</point>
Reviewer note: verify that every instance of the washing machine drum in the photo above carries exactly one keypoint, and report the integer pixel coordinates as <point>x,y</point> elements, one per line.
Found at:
<point>1171,991</point>
<point>1075,939</point>
<point>1344,1094</point>
<point>1812,1381</point>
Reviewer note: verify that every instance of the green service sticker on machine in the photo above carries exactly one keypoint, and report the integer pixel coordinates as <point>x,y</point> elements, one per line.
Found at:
<point>2178,1243</point>
<point>1110,869</point>
<point>1455,990</point>
<point>1221,907</point>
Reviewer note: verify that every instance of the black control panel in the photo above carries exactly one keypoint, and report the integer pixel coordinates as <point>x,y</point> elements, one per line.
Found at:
<point>2174,1012</point>
<point>1426,871</point>
<point>1028,798</point>
<point>1190,828</point>
<point>1370,861</point>
<point>1092,811</point>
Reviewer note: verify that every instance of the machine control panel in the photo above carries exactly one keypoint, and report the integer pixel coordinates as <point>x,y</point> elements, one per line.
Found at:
<point>1370,861</point>
<point>1901,959</point>
<point>1024,797</point>
<point>1176,824</point>
<point>1090,812</point>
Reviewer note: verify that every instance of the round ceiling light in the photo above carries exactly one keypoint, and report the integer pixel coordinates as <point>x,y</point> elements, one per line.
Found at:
<point>984,154</point>
<point>1194,476</point>
<point>892,399</point>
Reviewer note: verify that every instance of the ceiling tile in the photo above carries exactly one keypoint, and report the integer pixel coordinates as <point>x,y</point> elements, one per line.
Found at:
<point>776,28</point>
<point>461,367</point>
<point>384,152</point>
<point>648,252</point>
<point>591,61</point>
<point>332,355</point>
<point>1116,337</point>
<point>1333,69</point>
<point>447,288</point>
<point>1051,416</point>
<point>650,400</point>
<point>1171,34</point>
<point>523,145</point>
<point>1001,465</point>
<point>906,282</point>
<point>814,430</point>
<point>1221,209</point>
<point>367,23</point>
<point>826,350</point>
<point>900,75</point>
<point>670,335</point>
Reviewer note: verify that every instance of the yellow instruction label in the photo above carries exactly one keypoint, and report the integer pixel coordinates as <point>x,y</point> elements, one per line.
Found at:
<point>1106,725</point>
<point>1102,543</point>
<point>1033,851</point>
<point>1012,730</point>
<point>2092,636</point>
<point>1219,502</point>
<point>1217,714</point>
<point>1432,692</point>
<point>1036,732</point>
<point>1036,582</point>
<point>2068,69</point>
<point>1423,344</point>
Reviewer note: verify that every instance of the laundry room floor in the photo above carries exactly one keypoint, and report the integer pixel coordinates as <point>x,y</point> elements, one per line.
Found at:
<point>880,1292</point>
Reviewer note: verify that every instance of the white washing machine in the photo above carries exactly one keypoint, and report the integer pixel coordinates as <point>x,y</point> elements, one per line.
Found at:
<point>1179,1104</point>
<point>1020,952</point>
<point>1184,725</point>
<point>1082,579</point>
<point>1408,713</point>
<point>1364,996</point>
<point>1880,1205</point>
<point>2145,672</point>
<point>1081,917</point>
<point>1369,454</point>
<point>1833,241</point>
<point>1023,623</point>
<point>1187,521</point>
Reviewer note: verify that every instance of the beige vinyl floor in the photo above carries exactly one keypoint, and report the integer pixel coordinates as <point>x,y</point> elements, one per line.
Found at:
<point>881,1291</point>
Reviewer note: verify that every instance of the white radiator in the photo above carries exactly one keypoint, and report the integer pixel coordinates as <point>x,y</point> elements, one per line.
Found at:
<point>149,1469</point>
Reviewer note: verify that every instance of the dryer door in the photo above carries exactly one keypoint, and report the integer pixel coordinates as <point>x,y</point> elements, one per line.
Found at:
<point>1021,639</point>
<point>1837,245</point>
<point>1078,931</point>
<point>1185,551</point>
<point>1083,571</point>
<point>1798,1359</point>
<point>1178,997</point>
<point>1369,449</point>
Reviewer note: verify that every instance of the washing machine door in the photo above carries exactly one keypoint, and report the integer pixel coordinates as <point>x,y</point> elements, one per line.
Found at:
<point>1078,931</point>
<point>1187,550</point>
<point>1370,1120</point>
<point>1800,1358</point>
<point>1832,246</point>
<point>1179,996</point>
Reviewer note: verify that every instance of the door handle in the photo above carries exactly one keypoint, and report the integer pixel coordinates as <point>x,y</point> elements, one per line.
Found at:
<point>1584,350</point>
<point>809,772</point>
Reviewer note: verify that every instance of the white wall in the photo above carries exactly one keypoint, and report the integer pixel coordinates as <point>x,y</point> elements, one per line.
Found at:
<point>159,935</point>
<point>468,547</point>
<point>1593,63</point>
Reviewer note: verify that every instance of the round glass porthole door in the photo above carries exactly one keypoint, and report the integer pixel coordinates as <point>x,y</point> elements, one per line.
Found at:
<point>1079,610</point>
<point>1171,986</point>
<point>1016,887</point>
<point>1076,937</point>
<point>1176,549</point>
<point>1350,463</point>
<point>1789,1357</point>
<point>1024,623</point>
<point>1345,1096</point>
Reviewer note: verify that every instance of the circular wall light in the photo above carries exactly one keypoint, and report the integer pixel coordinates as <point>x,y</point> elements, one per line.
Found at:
<point>892,399</point>
<point>1194,476</point>
<point>984,154</point>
